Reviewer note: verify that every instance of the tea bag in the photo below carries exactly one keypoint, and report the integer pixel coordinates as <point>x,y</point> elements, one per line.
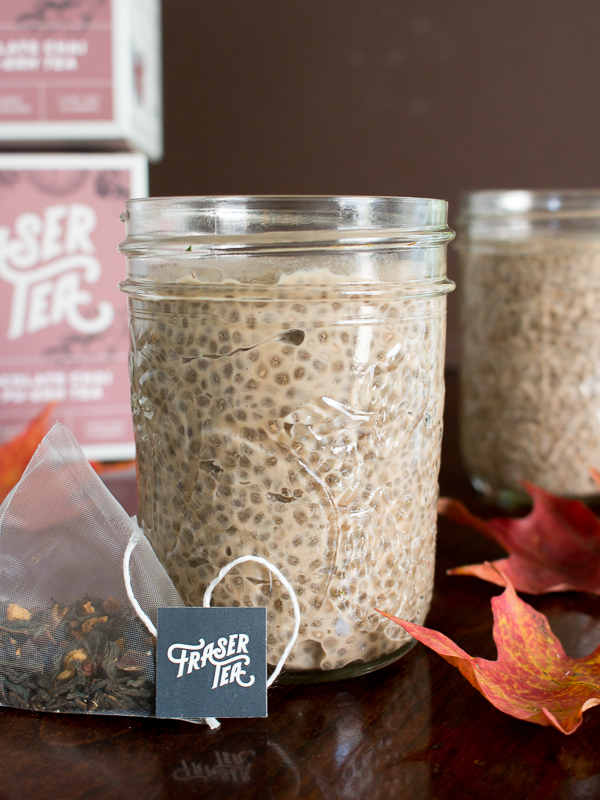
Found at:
<point>79,590</point>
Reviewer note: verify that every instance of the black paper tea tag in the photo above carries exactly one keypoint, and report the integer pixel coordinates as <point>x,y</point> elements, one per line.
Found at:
<point>211,662</point>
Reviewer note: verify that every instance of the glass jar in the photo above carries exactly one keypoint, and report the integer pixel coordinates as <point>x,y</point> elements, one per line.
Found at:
<point>287,394</point>
<point>530,294</point>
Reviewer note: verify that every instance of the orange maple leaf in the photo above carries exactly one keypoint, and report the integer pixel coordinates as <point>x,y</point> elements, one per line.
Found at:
<point>555,548</point>
<point>111,467</point>
<point>16,453</point>
<point>533,678</point>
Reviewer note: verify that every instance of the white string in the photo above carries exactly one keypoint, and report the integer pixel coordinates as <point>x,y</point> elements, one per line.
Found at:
<point>135,537</point>
<point>288,586</point>
<point>214,723</point>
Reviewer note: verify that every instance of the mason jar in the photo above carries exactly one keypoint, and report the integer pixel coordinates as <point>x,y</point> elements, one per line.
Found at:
<point>287,391</point>
<point>530,365</point>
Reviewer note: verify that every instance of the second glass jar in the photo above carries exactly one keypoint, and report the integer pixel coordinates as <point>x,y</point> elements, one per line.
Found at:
<point>530,365</point>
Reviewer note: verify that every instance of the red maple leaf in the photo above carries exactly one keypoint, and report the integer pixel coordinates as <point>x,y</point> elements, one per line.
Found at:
<point>533,678</point>
<point>16,453</point>
<point>555,548</point>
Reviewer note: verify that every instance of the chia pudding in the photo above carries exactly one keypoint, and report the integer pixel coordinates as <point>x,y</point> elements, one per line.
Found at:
<point>303,426</point>
<point>530,369</point>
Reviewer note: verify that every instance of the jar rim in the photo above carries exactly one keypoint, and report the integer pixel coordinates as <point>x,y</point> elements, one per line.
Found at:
<point>530,203</point>
<point>236,221</point>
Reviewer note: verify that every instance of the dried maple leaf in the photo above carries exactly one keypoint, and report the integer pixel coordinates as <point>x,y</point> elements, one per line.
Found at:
<point>16,453</point>
<point>111,467</point>
<point>555,548</point>
<point>533,678</point>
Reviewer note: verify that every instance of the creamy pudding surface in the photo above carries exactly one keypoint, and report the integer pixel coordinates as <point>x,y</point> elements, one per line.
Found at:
<point>300,423</point>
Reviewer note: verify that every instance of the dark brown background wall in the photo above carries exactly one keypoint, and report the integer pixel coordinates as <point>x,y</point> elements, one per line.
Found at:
<point>393,97</point>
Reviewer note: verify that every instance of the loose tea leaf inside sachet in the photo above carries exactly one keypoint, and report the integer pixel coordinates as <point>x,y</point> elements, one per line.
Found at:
<point>90,655</point>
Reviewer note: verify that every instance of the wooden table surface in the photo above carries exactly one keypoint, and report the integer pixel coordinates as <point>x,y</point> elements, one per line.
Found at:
<point>416,729</point>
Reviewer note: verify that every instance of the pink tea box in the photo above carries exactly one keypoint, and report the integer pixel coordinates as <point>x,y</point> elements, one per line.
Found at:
<point>81,73</point>
<point>63,321</point>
